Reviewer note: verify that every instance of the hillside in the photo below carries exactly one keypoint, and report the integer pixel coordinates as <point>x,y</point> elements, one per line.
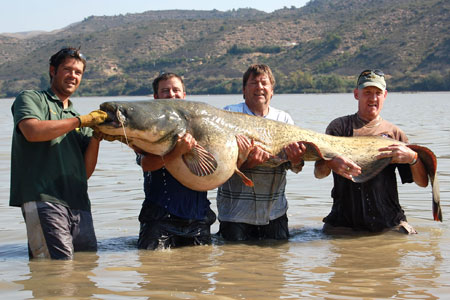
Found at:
<point>320,47</point>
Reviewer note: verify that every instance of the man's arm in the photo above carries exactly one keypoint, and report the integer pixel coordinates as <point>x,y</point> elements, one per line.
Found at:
<point>152,162</point>
<point>91,155</point>
<point>254,155</point>
<point>321,169</point>
<point>403,155</point>
<point>419,173</point>
<point>339,164</point>
<point>35,130</point>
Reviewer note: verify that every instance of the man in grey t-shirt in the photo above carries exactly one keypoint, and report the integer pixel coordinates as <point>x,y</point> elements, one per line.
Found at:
<point>372,205</point>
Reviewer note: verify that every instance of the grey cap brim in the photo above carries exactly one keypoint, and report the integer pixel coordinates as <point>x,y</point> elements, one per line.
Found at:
<point>371,83</point>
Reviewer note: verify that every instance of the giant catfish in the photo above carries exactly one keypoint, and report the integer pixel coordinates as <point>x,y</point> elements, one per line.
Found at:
<point>154,127</point>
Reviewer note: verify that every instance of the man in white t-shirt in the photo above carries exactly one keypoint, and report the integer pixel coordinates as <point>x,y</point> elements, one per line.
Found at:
<point>258,212</point>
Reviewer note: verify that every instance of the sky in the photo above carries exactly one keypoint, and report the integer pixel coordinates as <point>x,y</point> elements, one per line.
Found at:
<point>48,15</point>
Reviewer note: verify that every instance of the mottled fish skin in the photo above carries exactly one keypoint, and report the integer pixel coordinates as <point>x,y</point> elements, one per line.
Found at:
<point>154,126</point>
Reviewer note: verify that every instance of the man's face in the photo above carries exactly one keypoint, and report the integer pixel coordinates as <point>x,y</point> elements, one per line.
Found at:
<point>258,90</point>
<point>370,102</point>
<point>67,78</point>
<point>171,88</point>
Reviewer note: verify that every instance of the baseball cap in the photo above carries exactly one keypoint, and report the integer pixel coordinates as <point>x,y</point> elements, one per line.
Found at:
<point>371,78</point>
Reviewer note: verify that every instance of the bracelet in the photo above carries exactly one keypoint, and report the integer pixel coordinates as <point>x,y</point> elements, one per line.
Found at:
<point>414,160</point>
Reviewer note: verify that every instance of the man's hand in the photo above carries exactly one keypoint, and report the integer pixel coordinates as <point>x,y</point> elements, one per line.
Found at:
<point>295,152</point>
<point>184,144</point>
<point>152,162</point>
<point>256,157</point>
<point>400,154</point>
<point>93,118</point>
<point>344,167</point>
<point>103,136</point>
<point>245,147</point>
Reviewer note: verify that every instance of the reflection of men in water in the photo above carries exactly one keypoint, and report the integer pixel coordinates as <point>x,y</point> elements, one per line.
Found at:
<point>52,157</point>
<point>172,215</point>
<point>63,279</point>
<point>373,205</point>
<point>386,269</point>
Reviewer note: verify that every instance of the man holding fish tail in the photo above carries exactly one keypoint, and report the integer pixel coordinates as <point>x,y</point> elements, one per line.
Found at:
<point>258,212</point>
<point>372,205</point>
<point>53,154</point>
<point>172,215</point>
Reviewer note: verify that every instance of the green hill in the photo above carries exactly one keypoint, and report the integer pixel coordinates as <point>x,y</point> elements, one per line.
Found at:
<point>320,47</point>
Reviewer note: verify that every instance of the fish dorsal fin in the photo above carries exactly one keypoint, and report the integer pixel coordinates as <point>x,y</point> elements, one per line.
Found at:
<point>200,161</point>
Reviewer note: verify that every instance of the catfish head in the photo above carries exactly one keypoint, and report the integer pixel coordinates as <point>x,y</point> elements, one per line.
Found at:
<point>151,125</point>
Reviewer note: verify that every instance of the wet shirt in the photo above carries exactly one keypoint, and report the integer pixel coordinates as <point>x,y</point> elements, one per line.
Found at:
<point>266,200</point>
<point>372,205</point>
<point>162,189</point>
<point>54,170</point>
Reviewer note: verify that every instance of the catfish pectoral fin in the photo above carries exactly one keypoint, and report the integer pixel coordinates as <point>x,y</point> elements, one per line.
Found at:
<point>199,161</point>
<point>247,181</point>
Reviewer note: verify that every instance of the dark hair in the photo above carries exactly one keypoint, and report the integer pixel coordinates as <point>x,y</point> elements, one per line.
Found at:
<point>163,77</point>
<point>59,57</point>
<point>258,70</point>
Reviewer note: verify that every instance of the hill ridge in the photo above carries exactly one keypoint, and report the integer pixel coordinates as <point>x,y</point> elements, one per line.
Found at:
<point>320,47</point>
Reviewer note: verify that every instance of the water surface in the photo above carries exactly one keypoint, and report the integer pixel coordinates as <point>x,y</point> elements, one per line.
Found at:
<point>310,265</point>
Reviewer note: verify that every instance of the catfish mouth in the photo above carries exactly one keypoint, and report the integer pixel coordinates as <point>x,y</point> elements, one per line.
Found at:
<point>115,118</point>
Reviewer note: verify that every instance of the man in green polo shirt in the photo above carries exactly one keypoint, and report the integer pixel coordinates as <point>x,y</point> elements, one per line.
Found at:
<point>53,154</point>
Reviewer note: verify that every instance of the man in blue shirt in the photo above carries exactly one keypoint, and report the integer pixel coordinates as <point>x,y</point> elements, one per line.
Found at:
<point>172,215</point>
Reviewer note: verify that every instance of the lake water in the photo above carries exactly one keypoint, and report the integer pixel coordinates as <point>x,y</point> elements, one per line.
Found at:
<point>309,266</point>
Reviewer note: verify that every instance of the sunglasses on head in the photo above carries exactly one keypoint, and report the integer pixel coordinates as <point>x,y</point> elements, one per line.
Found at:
<point>72,52</point>
<point>368,72</point>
